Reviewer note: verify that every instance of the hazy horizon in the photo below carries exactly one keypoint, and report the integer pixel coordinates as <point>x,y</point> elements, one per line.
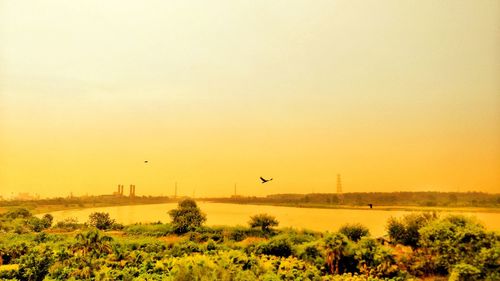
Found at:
<point>392,95</point>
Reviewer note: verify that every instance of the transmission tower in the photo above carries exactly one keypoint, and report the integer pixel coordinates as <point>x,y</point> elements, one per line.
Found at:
<point>340,195</point>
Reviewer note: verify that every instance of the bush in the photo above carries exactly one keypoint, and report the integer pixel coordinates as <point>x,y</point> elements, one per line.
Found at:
<point>155,229</point>
<point>18,213</point>
<point>35,265</point>
<point>68,224</point>
<point>458,240</point>
<point>48,219</point>
<point>339,254</point>
<point>38,225</point>
<point>311,252</point>
<point>465,272</point>
<point>100,220</point>
<point>185,248</point>
<point>354,231</point>
<point>406,230</point>
<point>279,246</point>
<point>374,259</point>
<point>264,221</point>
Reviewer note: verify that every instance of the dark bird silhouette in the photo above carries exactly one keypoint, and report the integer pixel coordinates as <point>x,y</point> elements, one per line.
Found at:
<point>146,161</point>
<point>371,206</point>
<point>264,180</point>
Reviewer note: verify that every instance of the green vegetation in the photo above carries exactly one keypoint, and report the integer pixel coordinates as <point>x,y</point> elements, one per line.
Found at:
<point>354,231</point>
<point>418,246</point>
<point>187,217</point>
<point>102,221</point>
<point>264,221</point>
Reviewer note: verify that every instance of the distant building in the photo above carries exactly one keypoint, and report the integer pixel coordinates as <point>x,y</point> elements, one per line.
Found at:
<point>132,190</point>
<point>119,192</point>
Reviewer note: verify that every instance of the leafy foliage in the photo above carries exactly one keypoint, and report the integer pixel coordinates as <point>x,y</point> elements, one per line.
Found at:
<point>101,220</point>
<point>406,230</point>
<point>187,216</point>
<point>354,231</point>
<point>34,265</point>
<point>264,221</point>
<point>454,247</point>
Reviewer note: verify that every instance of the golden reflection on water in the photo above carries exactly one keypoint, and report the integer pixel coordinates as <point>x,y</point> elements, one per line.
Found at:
<point>235,214</point>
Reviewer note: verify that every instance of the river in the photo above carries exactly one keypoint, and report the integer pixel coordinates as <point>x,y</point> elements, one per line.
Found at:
<point>236,214</point>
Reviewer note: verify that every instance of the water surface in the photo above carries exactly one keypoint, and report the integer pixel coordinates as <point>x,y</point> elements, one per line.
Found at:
<point>236,214</point>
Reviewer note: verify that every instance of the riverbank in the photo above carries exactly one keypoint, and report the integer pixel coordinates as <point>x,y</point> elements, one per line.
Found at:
<point>381,208</point>
<point>41,209</point>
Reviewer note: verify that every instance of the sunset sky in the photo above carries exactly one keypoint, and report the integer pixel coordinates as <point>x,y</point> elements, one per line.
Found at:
<point>393,95</point>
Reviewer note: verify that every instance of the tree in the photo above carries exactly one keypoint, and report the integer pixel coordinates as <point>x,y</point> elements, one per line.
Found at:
<point>48,219</point>
<point>354,231</point>
<point>101,220</point>
<point>92,243</point>
<point>187,216</point>
<point>337,248</point>
<point>264,221</point>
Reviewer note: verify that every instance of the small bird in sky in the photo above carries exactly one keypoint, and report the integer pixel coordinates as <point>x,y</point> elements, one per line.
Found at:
<point>371,206</point>
<point>146,161</point>
<point>264,180</point>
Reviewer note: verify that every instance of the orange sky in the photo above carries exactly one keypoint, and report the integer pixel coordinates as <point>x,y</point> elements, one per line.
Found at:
<point>393,95</point>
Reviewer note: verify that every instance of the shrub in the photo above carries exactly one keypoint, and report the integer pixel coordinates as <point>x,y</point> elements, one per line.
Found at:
<point>18,213</point>
<point>38,225</point>
<point>465,272</point>
<point>458,240</point>
<point>35,265</point>
<point>68,224</point>
<point>374,259</point>
<point>354,231</point>
<point>154,229</point>
<point>311,252</point>
<point>100,220</point>
<point>406,230</point>
<point>278,246</point>
<point>339,254</point>
<point>185,247</point>
<point>264,221</point>
<point>48,219</point>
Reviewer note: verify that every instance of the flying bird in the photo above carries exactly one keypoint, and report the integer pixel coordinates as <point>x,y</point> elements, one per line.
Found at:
<point>146,161</point>
<point>264,180</point>
<point>371,206</point>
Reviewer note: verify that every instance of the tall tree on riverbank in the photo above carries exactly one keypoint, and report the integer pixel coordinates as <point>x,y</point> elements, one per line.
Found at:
<point>187,216</point>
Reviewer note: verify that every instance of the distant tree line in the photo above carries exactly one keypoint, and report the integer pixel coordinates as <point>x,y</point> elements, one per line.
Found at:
<point>86,201</point>
<point>424,199</point>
